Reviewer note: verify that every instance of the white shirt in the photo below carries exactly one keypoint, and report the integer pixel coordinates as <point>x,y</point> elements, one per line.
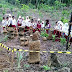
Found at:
<point>10,20</point>
<point>65,28</point>
<point>23,23</point>
<point>14,22</point>
<point>7,22</point>
<point>19,21</point>
<point>34,25</point>
<point>3,23</point>
<point>42,25</point>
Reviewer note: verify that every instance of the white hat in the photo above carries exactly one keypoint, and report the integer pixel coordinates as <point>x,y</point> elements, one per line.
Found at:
<point>19,16</point>
<point>60,22</point>
<point>38,19</point>
<point>43,22</point>
<point>27,17</point>
<point>22,17</point>
<point>9,14</point>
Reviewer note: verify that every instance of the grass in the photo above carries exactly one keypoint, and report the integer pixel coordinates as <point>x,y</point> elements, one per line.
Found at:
<point>46,68</point>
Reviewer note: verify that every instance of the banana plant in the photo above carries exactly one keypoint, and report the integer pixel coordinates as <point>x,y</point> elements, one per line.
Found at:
<point>19,58</point>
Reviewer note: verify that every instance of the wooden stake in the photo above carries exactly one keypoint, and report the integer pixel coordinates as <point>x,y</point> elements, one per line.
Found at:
<point>12,59</point>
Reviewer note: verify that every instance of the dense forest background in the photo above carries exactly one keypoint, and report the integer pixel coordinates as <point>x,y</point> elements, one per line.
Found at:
<point>52,9</point>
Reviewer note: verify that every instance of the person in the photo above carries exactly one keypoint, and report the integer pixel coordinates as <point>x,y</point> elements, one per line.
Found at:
<point>23,22</point>
<point>3,23</point>
<point>33,25</point>
<point>10,18</point>
<point>47,26</point>
<point>39,25</point>
<point>27,19</point>
<point>42,25</point>
<point>7,21</point>
<point>14,23</point>
<point>65,30</point>
<point>19,21</point>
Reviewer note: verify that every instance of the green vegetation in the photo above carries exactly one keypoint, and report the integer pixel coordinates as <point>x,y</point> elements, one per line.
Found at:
<point>63,41</point>
<point>54,36</point>
<point>44,34</point>
<point>46,67</point>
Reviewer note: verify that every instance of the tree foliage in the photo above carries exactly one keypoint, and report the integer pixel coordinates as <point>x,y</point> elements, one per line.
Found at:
<point>38,2</point>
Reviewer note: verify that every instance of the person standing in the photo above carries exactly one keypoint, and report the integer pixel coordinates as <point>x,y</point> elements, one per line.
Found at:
<point>39,25</point>
<point>14,23</point>
<point>19,21</point>
<point>47,26</point>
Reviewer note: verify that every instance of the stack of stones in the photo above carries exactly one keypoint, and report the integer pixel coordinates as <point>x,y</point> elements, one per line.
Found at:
<point>11,32</point>
<point>50,35</point>
<point>5,31</point>
<point>34,45</point>
<point>24,39</point>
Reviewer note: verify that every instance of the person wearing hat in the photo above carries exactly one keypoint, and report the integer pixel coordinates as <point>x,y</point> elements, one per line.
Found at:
<point>10,18</point>
<point>39,25</point>
<point>19,21</point>
<point>47,26</point>
<point>65,30</point>
<point>28,23</point>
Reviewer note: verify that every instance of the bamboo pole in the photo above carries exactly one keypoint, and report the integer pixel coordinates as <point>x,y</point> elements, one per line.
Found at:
<point>12,59</point>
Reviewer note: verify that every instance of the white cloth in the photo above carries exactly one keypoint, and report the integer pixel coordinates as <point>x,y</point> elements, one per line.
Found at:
<point>14,22</point>
<point>56,27</point>
<point>3,23</point>
<point>7,22</point>
<point>60,25</point>
<point>23,23</point>
<point>71,33</point>
<point>19,21</point>
<point>42,25</point>
<point>34,25</point>
<point>10,20</point>
<point>65,28</point>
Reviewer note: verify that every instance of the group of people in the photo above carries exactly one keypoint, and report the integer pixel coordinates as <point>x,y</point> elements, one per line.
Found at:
<point>37,24</point>
<point>60,29</point>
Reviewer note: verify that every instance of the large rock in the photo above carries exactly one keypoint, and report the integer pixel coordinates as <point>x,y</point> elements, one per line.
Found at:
<point>36,36</point>
<point>21,28</point>
<point>24,41</point>
<point>52,60</point>
<point>34,57</point>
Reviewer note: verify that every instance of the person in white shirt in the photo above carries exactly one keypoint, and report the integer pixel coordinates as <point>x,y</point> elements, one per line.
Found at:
<point>19,21</point>
<point>65,29</point>
<point>7,21</point>
<point>23,22</point>
<point>3,22</point>
<point>42,24</point>
<point>27,19</point>
<point>10,18</point>
<point>14,23</point>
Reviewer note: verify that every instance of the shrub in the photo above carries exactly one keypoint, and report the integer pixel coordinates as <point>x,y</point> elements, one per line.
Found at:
<point>3,12</point>
<point>46,67</point>
<point>44,34</point>
<point>0,6</point>
<point>53,37</point>
<point>0,18</point>
<point>65,21</point>
<point>64,12</point>
<point>24,7</point>
<point>31,6</point>
<point>63,41</point>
